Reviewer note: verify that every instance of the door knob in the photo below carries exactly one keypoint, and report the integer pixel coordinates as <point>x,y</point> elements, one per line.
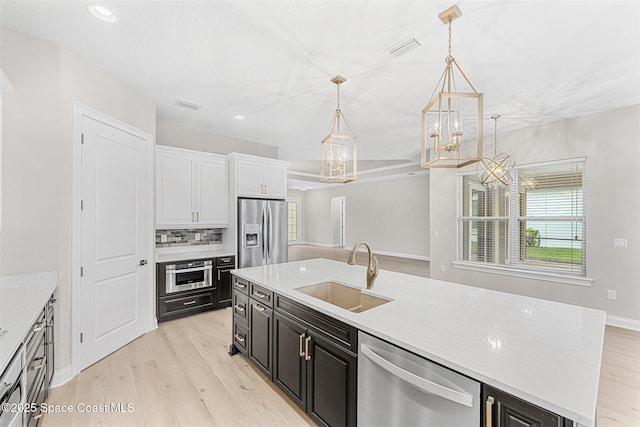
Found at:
<point>143,262</point>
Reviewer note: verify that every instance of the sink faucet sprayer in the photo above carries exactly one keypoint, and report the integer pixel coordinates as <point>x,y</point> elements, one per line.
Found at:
<point>372,269</point>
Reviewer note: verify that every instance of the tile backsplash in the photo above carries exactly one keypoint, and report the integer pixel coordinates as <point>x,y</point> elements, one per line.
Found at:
<point>187,237</point>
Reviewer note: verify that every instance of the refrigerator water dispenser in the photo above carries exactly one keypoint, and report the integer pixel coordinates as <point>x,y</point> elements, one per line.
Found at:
<point>251,235</point>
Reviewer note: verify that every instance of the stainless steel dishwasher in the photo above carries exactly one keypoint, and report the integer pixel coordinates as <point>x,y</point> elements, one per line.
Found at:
<point>399,388</point>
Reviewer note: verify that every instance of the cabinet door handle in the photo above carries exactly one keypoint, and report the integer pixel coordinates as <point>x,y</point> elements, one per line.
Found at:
<point>193,216</point>
<point>39,327</point>
<point>301,345</point>
<point>189,302</point>
<point>239,338</point>
<point>197,216</point>
<point>239,308</point>
<point>259,294</point>
<point>489,411</point>
<point>258,307</point>
<point>307,355</point>
<point>41,365</point>
<point>218,274</point>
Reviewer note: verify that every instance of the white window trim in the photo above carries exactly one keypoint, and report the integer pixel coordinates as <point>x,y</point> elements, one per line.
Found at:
<point>520,272</point>
<point>548,276</point>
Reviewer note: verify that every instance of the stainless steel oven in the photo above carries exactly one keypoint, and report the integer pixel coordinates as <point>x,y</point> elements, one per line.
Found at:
<point>187,275</point>
<point>12,393</point>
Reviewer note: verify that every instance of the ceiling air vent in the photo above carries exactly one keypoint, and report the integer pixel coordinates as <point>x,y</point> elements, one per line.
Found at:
<point>188,104</point>
<point>403,46</point>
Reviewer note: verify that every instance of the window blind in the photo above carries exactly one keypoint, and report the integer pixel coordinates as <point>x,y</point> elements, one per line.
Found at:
<point>538,222</point>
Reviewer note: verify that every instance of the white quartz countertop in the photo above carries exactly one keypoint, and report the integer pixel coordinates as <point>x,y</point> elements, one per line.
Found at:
<point>22,298</point>
<point>544,352</point>
<point>183,253</point>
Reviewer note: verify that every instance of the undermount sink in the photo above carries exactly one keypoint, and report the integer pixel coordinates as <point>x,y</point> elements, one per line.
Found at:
<point>346,297</point>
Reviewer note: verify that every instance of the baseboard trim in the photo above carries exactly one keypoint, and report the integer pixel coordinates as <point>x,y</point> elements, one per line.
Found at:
<point>394,254</point>
<point>623,322</point>
<point>322,245</point>
<point>61,376</point>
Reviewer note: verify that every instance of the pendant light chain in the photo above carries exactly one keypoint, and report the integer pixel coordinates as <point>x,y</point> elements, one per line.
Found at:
<point>450,57</point>
<point>495,135</point>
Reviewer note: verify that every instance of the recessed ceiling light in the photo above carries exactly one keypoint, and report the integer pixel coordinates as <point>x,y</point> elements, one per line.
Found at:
<point>102,13</point>
<point>239,117</point>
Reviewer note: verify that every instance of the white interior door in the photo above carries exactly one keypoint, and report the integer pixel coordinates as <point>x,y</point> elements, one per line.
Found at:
<point>114,287</point>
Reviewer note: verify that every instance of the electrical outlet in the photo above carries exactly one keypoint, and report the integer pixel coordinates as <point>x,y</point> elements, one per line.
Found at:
<point>198,236</point>
<point>443,268</point>
<point>619,243</point>
<point>611,294</point>
<point>163,238</point>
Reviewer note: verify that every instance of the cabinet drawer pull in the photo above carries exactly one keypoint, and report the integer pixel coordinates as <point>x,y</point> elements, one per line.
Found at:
<point>239,308</point>
<point>225,260</point>
<point>489,411</point>
<point>301,345</point>
<point>307,355</point>
<point>259,308</point>
<point>259,294</point>
<point>239,338</point>
<point>240,285</point>
<point>189,302</point>
<point>39,326</point>
<point>41,365</point>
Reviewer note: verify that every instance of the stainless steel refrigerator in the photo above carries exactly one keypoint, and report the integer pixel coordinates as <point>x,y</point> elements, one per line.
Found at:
<point>262,232</point>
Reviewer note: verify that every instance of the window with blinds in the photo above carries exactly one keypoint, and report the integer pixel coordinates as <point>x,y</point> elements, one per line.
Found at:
<point>536,223</point>
<point>292,209</point>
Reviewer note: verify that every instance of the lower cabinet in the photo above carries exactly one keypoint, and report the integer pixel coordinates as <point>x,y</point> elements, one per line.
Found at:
<point>260,336</point>
<point>318,375</point>
<point>312,357</point>
<point>504,410</point>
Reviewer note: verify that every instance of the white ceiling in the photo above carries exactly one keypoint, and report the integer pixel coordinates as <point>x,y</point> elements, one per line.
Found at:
<point>272,61</point>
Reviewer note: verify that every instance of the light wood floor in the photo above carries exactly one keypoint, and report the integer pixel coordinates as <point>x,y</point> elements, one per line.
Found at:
<point>181,375</point>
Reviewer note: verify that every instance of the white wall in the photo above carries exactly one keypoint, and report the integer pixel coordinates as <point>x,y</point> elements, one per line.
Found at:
<point>609,141</point>
<point>392,215</point>
<point>37,157</point>
<point>176,135</point>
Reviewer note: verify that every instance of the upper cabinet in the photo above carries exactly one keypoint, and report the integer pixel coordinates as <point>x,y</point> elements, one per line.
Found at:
<point>192,189</point>
<point>260,177</point>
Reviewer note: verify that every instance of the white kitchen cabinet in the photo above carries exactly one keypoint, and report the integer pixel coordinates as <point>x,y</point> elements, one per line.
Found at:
<point>261,177</point>
<point>192,189</point>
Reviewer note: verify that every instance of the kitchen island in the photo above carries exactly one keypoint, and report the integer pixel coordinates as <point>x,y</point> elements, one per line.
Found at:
<point>543,352</point>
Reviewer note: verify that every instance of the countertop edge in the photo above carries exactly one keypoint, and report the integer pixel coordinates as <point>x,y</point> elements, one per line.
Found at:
<point>47,283</point>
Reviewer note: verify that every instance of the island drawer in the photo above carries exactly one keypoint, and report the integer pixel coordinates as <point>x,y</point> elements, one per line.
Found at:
<point>261,294</point>
<point>240,285</point>
<point>240,337</point>
<point>240,306</point>
<point>340,333</point>
<point>185,303</point>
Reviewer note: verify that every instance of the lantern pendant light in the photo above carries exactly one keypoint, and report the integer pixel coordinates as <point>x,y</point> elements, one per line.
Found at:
<point>451,115</point>
<point>339,150</point>
<point>495,172</point>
